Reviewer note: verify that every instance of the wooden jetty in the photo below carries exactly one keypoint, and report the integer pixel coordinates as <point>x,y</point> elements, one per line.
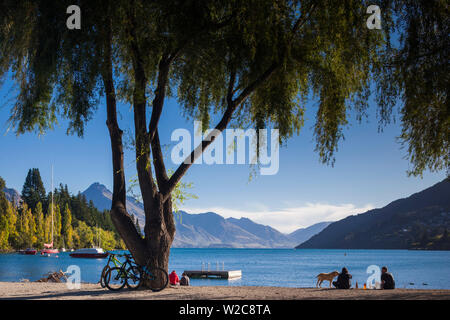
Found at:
<point>221,274</point>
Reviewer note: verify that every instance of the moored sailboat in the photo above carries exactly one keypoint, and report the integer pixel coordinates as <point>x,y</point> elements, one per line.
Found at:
<point>48,247</point>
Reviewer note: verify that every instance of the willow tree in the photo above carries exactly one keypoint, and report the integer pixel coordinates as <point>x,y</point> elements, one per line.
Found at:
<point>249,63</point>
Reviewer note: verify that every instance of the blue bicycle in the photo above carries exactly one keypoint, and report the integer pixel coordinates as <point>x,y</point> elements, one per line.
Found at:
<point>154,277</point>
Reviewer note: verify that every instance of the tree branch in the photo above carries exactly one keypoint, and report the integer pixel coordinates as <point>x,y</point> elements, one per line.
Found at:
<point>160,93</point>
<point>232,106</point>
<point>143,165</point>
<point>158,104</point>
<point>231,90</point>
<point>302,20</point>
<point>158,162</point>
<point>181,170</point>
<point>255,84</point>
<point>163,73</point>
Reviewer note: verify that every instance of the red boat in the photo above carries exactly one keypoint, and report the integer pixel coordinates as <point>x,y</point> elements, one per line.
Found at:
<point>48,249</point>
<point>92,253</point>
<point>28,251</point>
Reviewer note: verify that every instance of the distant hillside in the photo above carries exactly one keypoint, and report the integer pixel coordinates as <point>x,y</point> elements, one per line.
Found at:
<point>421,221</point>
<point>304,234</point>
<point>12,195</point>
<point>270,236</point>
<point>210,229</point>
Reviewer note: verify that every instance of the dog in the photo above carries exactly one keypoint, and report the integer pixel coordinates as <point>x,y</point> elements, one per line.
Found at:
<point>321,277</point>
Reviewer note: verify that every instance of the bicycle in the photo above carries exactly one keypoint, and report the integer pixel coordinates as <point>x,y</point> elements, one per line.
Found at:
<point>157,277</point>
<point>134,276</point>
<point>117,263</point>
<point>126,274</point>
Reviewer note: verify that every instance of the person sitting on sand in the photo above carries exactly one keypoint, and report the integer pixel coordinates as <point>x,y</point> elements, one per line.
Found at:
<point>343,280</point>
<point>184,280</point>
<point>387,280</point>
<point>173,279</point>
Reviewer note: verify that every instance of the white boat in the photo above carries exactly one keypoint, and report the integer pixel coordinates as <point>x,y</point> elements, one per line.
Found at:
<point>93,253</point>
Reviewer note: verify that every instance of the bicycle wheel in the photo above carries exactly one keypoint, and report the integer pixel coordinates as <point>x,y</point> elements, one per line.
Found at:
<point>133,277</point>
<point>102,276</point>
<point>115,279</point>
<point>157,278</point>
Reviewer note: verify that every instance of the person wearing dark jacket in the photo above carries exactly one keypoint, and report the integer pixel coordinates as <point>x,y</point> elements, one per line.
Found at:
<point>387,279</point>
<point>343,280</point>
<point>184,280</point>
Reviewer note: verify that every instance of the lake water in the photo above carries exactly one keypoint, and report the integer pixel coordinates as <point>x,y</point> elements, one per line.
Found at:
<point>266,267</point>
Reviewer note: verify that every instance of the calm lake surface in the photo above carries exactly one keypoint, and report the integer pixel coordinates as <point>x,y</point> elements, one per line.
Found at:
<point>265,267</point>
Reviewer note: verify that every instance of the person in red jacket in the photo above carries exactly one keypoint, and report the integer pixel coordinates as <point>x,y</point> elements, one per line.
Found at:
<point>173,278</point>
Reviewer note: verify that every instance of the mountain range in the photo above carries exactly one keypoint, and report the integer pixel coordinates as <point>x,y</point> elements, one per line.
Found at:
<point>210,229</point>
<point>421,221</point>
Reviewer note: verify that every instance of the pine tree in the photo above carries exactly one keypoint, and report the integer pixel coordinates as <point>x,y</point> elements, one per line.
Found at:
<point>33,190</point>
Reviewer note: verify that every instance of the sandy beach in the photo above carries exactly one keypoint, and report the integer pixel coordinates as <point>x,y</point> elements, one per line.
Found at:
<point>59,291</point>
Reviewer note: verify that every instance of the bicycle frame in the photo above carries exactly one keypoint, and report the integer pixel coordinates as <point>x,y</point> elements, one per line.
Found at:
<point>123,266</point>
<point>147,273</point>
<point>119,264</point>
<point>112,258</point>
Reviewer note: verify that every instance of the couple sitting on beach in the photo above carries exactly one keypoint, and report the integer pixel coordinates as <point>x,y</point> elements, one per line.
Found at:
<point>175,281</point>
<point>343,280</point>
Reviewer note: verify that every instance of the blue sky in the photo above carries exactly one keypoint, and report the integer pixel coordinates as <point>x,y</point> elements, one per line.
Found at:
<point>370,169</point>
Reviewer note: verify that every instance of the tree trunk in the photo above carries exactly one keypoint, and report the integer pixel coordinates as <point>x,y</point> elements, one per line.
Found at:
<point>154,250</point>
<point>159,235</point>
<point>159,229</point>
<point>121,219</point>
